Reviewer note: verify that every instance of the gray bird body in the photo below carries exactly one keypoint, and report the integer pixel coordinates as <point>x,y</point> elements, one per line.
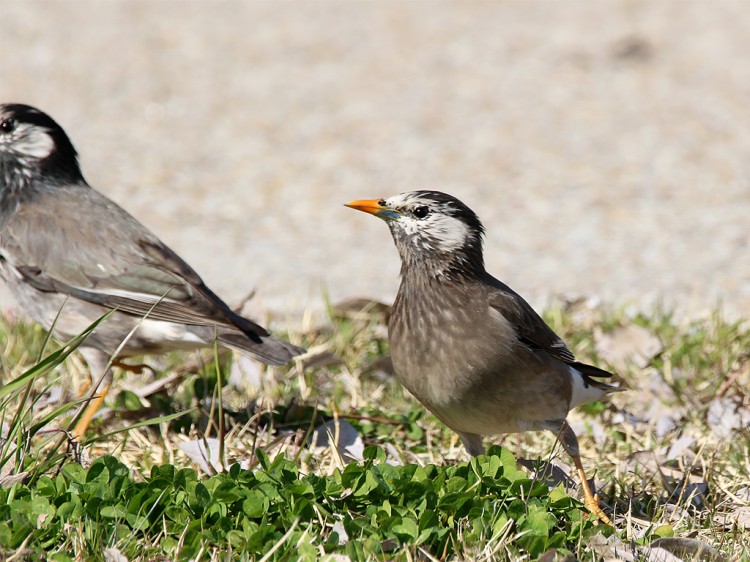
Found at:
<point>66,247</point>
<point>468,347</point>
<point>461,357</point>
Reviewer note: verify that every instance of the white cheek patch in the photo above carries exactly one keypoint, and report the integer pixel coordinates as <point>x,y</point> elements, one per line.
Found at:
<point>437,231</point>
<point>33,142</point>
<point>449,234</point>
<point>409,225</point>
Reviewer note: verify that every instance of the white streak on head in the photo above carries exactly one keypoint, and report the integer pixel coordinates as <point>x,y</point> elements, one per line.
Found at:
<point>449,233</point>
<point>30,141</point>
<point>437,231</point>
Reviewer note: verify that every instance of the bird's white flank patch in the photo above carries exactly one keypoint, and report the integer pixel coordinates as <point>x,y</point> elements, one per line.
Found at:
<point>582,392</point>
<point>175,334</point>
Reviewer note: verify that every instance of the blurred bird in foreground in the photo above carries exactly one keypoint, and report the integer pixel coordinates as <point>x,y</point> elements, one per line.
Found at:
<point>66,248</point>
<point>468,347</point>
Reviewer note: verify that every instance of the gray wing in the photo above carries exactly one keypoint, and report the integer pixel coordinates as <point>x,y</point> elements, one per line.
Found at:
<point>532,330</point>
<point>75,241</point>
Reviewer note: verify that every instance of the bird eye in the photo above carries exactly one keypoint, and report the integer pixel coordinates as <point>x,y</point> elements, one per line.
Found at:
<point>8,126</point>
<point>381,202</point>
<point>421,212</point>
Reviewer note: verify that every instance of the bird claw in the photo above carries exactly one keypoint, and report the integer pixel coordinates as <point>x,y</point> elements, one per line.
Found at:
<point>136,369</point>
<point>592,504</point>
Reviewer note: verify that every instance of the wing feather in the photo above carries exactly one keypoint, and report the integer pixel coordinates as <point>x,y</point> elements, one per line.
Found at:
<point>531,329</point>
<point>49,242</point>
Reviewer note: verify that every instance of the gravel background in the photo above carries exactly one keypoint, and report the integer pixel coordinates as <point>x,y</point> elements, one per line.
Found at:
<point>606,145</point>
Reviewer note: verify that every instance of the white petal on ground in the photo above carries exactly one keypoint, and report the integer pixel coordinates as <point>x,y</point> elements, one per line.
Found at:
<point>245,374</point>
<point>679,447</point>
<point>348,442</point>
<point>204,453</point>
<point>338,528</point>
<point>725,416</point>
<point>114,555</point>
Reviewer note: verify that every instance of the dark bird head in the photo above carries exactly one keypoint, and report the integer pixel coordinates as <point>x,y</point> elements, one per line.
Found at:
<point>435,233</point>
<point>33,147</point>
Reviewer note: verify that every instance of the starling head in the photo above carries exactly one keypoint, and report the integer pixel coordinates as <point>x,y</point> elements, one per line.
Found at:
<point>33,146</point>
<point>434,232</point>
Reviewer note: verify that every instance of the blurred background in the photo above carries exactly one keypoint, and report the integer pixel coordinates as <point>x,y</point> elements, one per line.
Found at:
<point>605,145</point>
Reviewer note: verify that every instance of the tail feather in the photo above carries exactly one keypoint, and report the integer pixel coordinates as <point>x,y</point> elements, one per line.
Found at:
<point>591,373</point>
<point>269,350</point>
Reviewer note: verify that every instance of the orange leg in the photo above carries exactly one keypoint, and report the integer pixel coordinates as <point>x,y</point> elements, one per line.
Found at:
<point>79,431</point>
<point>590,501</point>
<point>569,441</point>
<point>98,363</point>
<point>100,379</point>
<point>84,388</point>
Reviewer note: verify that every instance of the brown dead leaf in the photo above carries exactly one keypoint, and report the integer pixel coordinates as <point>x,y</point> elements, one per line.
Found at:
<point>727,415</point>
<point>362,309</point>
<point>10,479</point>
<point>688,549</point>
<point>742,517</point>
<point>627,346</point>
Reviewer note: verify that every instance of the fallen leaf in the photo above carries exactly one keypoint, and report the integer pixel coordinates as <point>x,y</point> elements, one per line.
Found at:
<point>318,357</point>
<point>338,528</point>
<point>114,555</point>
<point>554,556</point>
<point>695,492</point>
<point>743,494</point>
<point>628,345</point>
<point>739,516</point>
<point>589,426</point>
<point>10,479</point>
<point>54,395</point>
<point>158,385</point>
<point>245,375</point>
<point>547,472</point>
<point>612,548</point>
<point>679,447</point>
<point>204,453</point>
<point>382,368</point>
<point>655,554</point>
<point>343,435</point>
<point>742,517</point>
<point>392,455</point>
<point>725,416</point>
<point>687,549</point>
<point>362,309</point>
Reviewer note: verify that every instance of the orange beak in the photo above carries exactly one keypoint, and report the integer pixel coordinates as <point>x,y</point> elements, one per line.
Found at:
<point>366,205</point>
<point>373,207</point>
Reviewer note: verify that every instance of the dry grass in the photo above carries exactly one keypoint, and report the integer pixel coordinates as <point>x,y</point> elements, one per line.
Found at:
<point>671,457</point>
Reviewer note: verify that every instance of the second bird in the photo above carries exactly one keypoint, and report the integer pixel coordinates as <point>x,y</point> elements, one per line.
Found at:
<point>468,347</point>
<point>66,248</point>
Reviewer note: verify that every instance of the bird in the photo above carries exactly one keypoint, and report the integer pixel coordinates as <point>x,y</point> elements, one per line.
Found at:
<point>465,345</point>
<point>70,255</point>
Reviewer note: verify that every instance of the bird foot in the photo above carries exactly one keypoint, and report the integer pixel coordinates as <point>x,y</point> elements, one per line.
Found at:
<point>135,369</point>
<point>84,387</point>
<point>592,504</point>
